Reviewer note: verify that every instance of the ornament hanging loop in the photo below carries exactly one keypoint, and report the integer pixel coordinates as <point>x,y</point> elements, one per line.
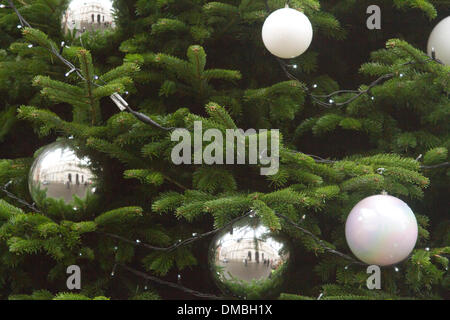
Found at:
<point>381,171</point>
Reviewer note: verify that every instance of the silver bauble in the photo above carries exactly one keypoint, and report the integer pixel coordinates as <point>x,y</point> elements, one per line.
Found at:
<point>248,260</point>
<point>59,173</point>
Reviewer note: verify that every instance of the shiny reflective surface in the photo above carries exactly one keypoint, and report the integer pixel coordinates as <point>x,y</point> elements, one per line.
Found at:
<point>248,259</point>
<point>58,173</point>
<point>381,230</point>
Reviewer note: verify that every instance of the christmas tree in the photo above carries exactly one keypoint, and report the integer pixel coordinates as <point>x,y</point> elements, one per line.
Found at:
<point>363,111</point>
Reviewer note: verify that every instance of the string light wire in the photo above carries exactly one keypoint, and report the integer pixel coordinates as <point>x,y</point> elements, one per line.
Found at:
<point>58,53</point>
<point>123,105</point>
<point>319,99</point>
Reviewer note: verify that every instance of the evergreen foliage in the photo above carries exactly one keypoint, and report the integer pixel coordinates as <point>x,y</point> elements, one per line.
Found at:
<point>183,61</point>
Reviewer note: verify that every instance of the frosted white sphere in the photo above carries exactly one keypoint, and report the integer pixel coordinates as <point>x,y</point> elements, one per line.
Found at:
<point>287,33</point>
<point>381,230</point>
<point>440,41</point>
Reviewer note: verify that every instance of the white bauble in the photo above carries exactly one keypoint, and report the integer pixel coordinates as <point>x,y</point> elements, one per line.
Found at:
<point>440,41</point>
<point>287,33</point>
<point>381,230</point>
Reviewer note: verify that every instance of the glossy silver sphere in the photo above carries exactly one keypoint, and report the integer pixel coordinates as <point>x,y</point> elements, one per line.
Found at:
<point>59,173</point>
<point>248,260</point>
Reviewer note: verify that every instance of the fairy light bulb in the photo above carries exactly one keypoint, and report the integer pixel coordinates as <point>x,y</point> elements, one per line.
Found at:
<point>438,46</point>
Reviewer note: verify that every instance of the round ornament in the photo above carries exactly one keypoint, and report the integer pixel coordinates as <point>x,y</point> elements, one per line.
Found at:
<point>248,260</point>
<point>381,230</point>
<point>440,41</point>
<point>59,173</point>
<point>287,33</point>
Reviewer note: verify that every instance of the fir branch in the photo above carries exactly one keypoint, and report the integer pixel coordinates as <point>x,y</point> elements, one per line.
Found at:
<point>357,93</point>
<point>319,241</point>
<point>440,165</point>
<point>19,200</point>
<point>140,116</point>
<point>170,284</point>
<point>178,244</point>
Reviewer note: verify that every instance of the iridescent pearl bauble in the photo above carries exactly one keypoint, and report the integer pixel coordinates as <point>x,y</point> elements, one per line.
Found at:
<point>381,230</point>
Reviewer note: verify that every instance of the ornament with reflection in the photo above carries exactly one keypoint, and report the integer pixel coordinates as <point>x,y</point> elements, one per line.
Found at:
<point>59,173</point>
<point>248,260</point>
